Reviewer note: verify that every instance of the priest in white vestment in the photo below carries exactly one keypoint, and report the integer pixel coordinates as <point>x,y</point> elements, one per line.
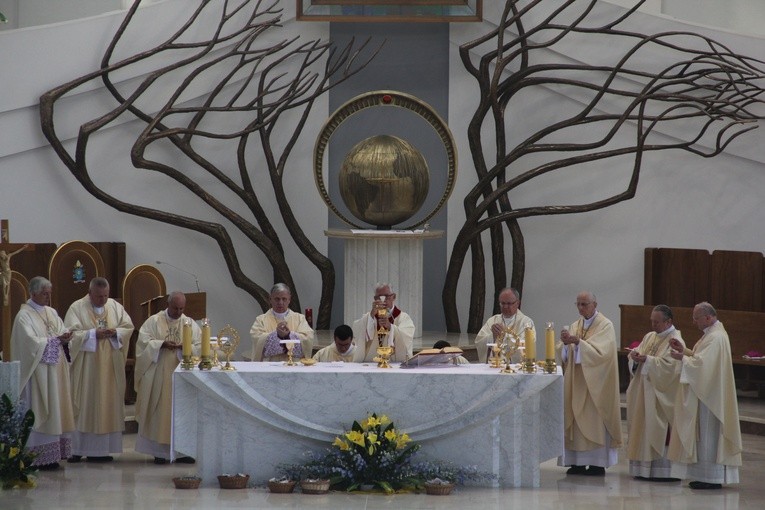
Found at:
<point>101,330</point>
<point>592,420</point>
<point>651,398</point>
<point>279,323</point>
<point>343,348</point>
<point>39,341</point>
<point>393,328</point>
<point>510,320</point>
<point>158,352</point>
<point>705,445</point>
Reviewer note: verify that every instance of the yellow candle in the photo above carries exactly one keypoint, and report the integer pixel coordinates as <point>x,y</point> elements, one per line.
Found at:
<point>206,338</point>
<point>531,344</point>
<point>550,341</point>
<point>187,338</point>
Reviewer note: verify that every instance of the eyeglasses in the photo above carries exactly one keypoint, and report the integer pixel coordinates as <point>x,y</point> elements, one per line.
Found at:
<point>588,303</point>
<point>508,303</point>
<point>386,296</point>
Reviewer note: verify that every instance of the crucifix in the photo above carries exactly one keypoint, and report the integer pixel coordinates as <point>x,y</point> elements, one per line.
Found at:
<point>7,250</point>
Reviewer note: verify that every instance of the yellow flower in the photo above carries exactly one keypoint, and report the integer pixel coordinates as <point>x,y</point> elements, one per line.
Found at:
<point>402,440</point>
<point>373,422</point>
<point>390,434</point>
<point>372,438</point>
<point>13,452</point>
<point>355,437</point>
<point>384,420</point>
<point>341,444</point>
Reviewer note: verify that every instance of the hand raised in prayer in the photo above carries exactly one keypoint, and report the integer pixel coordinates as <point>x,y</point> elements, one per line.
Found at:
<point>65,337</point>
<point>170,345</point>
<point>636,356</point>
<point>677,348</point>
<point>498,330</point>
<point>105,333</point>
<point>567,338</point>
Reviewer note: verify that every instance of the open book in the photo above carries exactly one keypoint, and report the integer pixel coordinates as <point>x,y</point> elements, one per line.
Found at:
<point>433,357</point>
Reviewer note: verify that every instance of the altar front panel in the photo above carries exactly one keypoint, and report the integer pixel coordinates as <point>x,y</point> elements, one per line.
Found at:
<point>264,414</point>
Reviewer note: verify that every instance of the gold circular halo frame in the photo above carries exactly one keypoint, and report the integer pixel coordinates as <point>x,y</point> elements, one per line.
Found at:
<point>380,98</point>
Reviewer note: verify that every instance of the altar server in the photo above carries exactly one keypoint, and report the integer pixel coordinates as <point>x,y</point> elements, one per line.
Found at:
<point>343,348</point>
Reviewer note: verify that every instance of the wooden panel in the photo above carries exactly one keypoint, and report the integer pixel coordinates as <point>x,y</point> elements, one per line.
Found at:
<point>676,277</point>
<point>71,268</point>
<point>736,280</point>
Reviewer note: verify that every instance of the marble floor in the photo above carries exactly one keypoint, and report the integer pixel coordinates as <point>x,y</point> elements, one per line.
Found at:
<point>134,481</point>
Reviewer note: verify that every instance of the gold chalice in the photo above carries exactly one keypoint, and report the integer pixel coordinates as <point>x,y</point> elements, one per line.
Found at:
<point>214,347</point>
<point>228,341</point>
<point>384,353</point>
<point>290,344</point>
<point>512,343</point>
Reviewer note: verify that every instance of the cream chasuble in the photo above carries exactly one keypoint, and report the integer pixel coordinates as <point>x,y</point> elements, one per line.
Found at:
<point>98,378</point>
<point>517,323</point>
<point>49,385</point>
<point>154,376</point>
<point>400,336</point>
<point>354,354</point>
<point>591,388</point>
<point>266,324</point>
<point>707,377</point>
<point>651,397</point>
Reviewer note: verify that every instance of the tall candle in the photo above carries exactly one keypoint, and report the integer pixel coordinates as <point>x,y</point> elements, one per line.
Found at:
<point>550,341</point>
<point>205,338</point>
<point>531,343</point>
<point>187,338</point>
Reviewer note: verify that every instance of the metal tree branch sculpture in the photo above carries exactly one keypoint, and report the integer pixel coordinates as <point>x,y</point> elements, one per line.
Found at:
<point>254,84</point>
<point>714,93</point>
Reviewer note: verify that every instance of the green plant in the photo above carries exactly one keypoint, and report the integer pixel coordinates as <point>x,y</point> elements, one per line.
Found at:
<point>15,460</point>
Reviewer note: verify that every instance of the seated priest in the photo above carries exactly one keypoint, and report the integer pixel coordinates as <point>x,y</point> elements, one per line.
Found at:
<point>157,354</point>
<point>280,323</point>
<point>459,360</point>
<point>342,349</point>
<point>385,325</point>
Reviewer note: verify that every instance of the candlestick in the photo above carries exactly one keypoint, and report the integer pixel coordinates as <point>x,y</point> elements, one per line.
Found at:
<point>186,364</point>
<point>550,348</point>
<point>205,363</point>
<point>531,343</point>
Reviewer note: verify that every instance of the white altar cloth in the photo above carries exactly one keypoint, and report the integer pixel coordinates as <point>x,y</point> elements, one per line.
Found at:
<point>264,414</point>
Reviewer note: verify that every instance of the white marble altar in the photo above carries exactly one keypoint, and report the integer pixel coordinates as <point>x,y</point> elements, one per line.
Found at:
<point>264,414</point>
<point>391,256</point>
<point>10,378</point>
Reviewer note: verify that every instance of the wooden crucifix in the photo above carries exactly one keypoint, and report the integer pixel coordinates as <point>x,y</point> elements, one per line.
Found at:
<point>7,250</point>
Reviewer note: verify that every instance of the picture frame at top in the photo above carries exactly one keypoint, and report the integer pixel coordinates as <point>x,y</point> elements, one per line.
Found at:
<point>382,11</point>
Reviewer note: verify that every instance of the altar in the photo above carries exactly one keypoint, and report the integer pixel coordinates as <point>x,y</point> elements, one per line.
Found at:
<point>263,414</point>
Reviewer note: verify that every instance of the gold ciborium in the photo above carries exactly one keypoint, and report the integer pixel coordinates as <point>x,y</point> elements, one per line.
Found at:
<point>384,353</point>
<point>511,343</point>
<point>228,341</point>
<point>290,344</point>
<point>214,347</point>
<point>495,360</point>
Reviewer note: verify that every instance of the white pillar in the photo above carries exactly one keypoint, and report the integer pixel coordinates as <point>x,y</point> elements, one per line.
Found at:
<point>392,256</point>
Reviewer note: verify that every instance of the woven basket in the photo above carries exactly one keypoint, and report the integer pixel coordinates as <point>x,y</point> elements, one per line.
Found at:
<point>282,487</point>
<point>233,481</point>
<point>187,482</point>
<point>314,486</point>
<point>439,489</point>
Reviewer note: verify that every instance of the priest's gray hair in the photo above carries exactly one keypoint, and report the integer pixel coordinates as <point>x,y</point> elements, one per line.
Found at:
<point>380,285</point>
<point>280,287</point>
<point>99,282</point>
<point>665,311</point>
<point>707,309</point>
<point>38,284</point>
<point>511,289</point>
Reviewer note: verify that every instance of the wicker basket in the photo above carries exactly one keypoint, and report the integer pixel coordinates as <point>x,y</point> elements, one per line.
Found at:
<point>284,487</point>
<point>233,481</point>
<point>314,486</point>
<point>439,489</point>
<point>187,482</point>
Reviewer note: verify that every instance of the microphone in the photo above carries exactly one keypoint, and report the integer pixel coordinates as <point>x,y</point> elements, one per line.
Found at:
<point>196,280</point>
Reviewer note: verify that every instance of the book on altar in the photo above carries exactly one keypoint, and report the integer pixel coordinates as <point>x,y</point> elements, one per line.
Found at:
<point>433,358</point>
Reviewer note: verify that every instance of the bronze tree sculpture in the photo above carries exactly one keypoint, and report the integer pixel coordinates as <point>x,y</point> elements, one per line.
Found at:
<point>713,92</point>
<point>258,86</point>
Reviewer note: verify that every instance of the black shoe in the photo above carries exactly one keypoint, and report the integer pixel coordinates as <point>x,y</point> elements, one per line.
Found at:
<point>185,460</point>
<point>643,478</point>
<point>664,479</point>
<point>48,467</point>
<point>74,459</point>
<point>576,470</point>
<point>595,471</point>
<point>160,460</point>
<point>704,486</point>
<point>105,458</point>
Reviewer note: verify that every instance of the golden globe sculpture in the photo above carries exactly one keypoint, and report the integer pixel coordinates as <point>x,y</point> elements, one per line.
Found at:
<point>384,180</point>
<point>404,170</point>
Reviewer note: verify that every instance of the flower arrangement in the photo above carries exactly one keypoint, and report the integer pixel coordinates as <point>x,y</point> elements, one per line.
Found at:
<point>374,453</point>
<point>15,461</point>
<point>371,453</point>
